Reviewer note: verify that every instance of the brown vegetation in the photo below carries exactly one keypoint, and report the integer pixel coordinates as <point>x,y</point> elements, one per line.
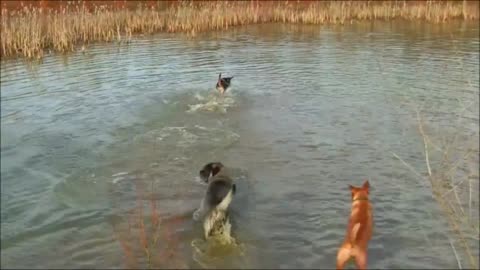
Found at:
<point>30,27</point>
<point>149,242</point>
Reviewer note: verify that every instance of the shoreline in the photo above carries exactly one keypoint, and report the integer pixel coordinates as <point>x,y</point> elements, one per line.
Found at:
<point>29,31</point>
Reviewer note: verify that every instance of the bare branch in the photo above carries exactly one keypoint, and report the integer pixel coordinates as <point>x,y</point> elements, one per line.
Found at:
<point>456,255</point>
<point>420,127</point>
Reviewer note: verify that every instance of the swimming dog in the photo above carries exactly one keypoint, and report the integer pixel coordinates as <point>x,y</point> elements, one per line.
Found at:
<point>223,83</point>
<point>359,230</point>
<point>218,196</point>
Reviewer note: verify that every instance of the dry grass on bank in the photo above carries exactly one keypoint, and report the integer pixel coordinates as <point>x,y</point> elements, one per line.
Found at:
<point>30,29</point>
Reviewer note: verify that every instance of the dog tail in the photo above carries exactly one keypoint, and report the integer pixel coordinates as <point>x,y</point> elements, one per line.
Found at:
<point>353,236</point>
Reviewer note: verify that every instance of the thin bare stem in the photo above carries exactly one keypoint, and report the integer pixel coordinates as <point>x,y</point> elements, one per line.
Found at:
<point>408,166</point>
<point>456,254</point>
<point>469,198</point>
<point>425,143</point>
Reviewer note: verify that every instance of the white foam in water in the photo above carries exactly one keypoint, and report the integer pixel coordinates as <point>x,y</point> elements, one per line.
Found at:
<point>208,253</point>
<point>213,103</point>
<point>119,177</point>
<point>194,108</point>
<point>189,136</point>
<point>199,180</point>
<point>201,127</point>
<point>119,174</point>
<point>199,97</point>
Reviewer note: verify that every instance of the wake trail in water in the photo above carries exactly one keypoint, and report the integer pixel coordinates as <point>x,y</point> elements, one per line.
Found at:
<point>211,103</point>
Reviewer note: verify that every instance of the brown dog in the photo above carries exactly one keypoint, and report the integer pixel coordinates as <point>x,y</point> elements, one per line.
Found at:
<point>359,230</point>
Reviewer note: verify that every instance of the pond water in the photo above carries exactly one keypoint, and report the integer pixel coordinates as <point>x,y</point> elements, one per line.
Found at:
<point>88,139</point>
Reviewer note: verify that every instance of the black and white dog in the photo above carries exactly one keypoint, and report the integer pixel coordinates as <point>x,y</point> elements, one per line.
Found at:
<point>218,196</point>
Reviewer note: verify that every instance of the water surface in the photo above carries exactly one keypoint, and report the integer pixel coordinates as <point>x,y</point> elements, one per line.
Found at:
<point>86,138</point>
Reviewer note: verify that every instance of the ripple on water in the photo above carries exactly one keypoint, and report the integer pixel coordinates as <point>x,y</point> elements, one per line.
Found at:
<point>311,110</point>
<point>189,137</point>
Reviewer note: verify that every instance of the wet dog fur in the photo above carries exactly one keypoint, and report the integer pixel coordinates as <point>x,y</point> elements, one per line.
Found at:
<point>223,83</point>
<point>359,230</point>
<point>218,196</point>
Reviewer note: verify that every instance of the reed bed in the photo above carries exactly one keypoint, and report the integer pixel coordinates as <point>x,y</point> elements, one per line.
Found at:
<point>31,29</point>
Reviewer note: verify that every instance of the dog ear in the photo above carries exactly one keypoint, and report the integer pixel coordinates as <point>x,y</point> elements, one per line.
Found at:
<point>215,170</point>
<point>366,184</point>
<point>204,175</point>
<point>206,172</point>
<point>351,187</point>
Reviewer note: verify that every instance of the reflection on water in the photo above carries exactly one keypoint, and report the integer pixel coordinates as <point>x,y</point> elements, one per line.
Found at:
<point>92,143</point>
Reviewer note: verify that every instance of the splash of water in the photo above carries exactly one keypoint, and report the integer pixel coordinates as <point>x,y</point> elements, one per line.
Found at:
<point>219,245</point>
<point>210,253</point>
<point>211,103</point>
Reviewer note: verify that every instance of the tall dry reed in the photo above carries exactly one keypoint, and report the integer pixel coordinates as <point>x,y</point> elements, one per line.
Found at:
<point>29,30</point>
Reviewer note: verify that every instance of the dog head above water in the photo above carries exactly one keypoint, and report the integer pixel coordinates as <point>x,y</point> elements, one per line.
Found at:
<point>210,170</point>
<point>360,193</point>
